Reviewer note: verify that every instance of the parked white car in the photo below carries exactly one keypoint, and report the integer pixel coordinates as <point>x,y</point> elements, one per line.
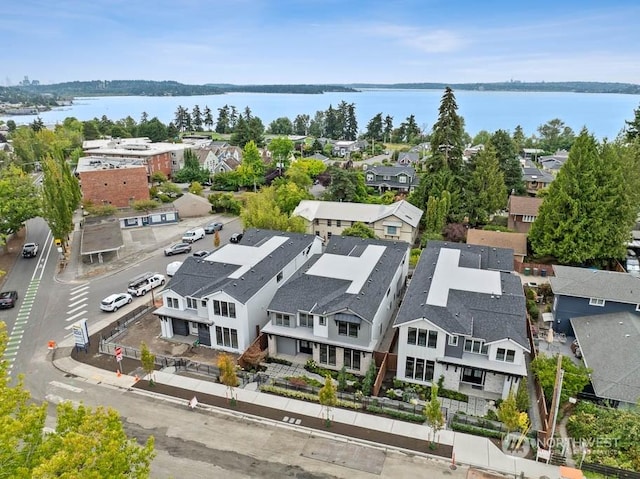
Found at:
<point>173,267</point>
<point>113,302</point>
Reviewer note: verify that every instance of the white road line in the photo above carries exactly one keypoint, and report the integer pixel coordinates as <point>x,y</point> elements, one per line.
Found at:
<point>76,315</point>
<point>11,353</point>
<point>68,387</point>
<point>80,288</point>
<point>13,347</point>
<point>76,296</point>
<point>76,309</point>
<point>83,300</point>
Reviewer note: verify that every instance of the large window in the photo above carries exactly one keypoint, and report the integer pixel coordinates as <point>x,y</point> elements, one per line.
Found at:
<point>352,359</point>
<point>392,230</point>
<point>173,303</point>
<point>192,303</point>
<point>327,354</point>
<point>306,320</point>
<point>528,218</point>
<point>596,302</point>
<point>227,337</point>
<point>283,320</point>
<point>475,346</point>
<point>506,355</point>
<point>347,329</point>
<point>422,337</point>
<point>419,369</point>
<point>222,308</point>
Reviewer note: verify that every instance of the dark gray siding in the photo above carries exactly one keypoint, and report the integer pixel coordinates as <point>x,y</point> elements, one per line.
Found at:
<point>180,327</point>
<point>454,351</point>
<point>286,346</point>
<point>571,307</point>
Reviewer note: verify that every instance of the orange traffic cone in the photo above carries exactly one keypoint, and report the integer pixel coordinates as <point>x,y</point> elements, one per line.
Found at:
<point>118,373</point>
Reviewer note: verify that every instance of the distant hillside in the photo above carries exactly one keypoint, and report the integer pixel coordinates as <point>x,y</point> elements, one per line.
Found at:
<point>577,87</point>
<point>164,88</point>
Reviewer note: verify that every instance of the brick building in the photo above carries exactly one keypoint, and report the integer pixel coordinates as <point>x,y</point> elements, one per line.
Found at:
<point>112,182</point>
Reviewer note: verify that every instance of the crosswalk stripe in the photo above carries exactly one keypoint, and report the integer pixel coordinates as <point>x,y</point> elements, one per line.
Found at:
<point>71,318</point>
<point>83,300</point>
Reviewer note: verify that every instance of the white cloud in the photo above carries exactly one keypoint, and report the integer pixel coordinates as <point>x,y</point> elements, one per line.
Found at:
<point>430,41</point>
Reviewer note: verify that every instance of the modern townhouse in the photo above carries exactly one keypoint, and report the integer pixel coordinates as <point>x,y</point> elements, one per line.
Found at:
<point>391,178</point>
<point>337,308</point>
<point>222,299</point>
<point>463,317</point>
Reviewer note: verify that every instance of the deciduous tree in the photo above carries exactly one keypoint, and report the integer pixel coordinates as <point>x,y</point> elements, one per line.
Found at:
<point>433,413</point>
<point>327,397</point>
<point>148,360</point>
<point>228,375</point>
<point>19,200</point>
<point>575,377</point>
<point>261,210</point>
<point>360,230</point>
<point>85,443</point>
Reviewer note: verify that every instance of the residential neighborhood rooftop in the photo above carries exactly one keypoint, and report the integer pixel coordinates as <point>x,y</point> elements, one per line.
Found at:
<point>609,346</point>
<point>499,239</point>
<point>594,283</point>
<point>524,205</point>
<point>353,273</point>
<point>365,213</point>
<point>465,290</point>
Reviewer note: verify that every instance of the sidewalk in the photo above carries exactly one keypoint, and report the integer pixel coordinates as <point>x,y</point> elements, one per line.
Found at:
<point>361,427</point>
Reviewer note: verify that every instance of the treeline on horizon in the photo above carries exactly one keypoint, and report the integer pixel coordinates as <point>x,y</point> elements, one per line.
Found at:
<point>68,90</point>
<point>159,88</point>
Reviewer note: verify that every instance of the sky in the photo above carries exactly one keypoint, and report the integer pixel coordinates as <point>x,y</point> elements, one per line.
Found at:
<point>320,41</point>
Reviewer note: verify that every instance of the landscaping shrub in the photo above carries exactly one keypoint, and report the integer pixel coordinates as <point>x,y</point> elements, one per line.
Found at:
<point>403,416</point>
<point>476,431</point>
<point>305,396</point>
<point>270,359</point>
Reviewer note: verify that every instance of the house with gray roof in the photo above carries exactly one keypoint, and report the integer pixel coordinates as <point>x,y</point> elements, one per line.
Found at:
<point>535,179</point>
<point>582,292</point>
<point>337,308</point>
<point>408,158</point>
<point>396,178</point>
<point>463,317</point>
<point>221,300</point>
<point>398,221</point>
<point>609,347</point>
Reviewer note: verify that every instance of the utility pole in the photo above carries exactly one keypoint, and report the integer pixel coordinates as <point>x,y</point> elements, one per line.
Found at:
<point>555,402</point>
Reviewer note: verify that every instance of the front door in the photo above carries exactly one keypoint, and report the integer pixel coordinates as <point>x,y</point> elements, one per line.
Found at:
<point>305,347</point>
<point>193,328</point>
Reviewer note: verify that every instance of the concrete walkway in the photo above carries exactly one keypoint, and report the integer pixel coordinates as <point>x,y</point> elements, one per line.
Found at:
<point>468,450</point>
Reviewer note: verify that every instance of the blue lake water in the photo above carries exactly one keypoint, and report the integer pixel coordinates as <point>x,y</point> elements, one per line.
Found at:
<point>603,114</point>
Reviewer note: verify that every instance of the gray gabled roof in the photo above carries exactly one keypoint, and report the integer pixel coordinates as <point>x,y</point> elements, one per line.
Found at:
<point>535,174</point>
<point>475,297</point>
<point>392,170</point>
<point>609,346</point>
<point>323,294</point>
<point>201,277</point>
<point>594,283</point>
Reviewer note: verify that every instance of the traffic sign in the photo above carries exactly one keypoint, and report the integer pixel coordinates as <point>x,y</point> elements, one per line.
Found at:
<point>118,352</point>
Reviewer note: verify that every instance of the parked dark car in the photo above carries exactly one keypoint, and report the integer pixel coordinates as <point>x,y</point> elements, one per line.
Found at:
<point>235,238</point>
<point>30,250</point>
<point>177,249</point>
<point>202,253</point>
<point>213,227</point>
<point>8,299</point>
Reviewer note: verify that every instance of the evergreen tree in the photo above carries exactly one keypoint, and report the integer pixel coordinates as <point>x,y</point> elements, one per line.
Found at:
<point>332,127</point>
<point>346,185</point>
<point>388,128</point>
<point>223,124</point>
<point>518,139</point>
<point>509,163</point>
<point>196,118</point>
<point>555,135</point>
<point>591,205</point>
<point>632,129</point>
<point>485,192</point>
<point>208,118</point>
<point>447,136</point>
<point>351,123</point>
<point>374,128</point>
